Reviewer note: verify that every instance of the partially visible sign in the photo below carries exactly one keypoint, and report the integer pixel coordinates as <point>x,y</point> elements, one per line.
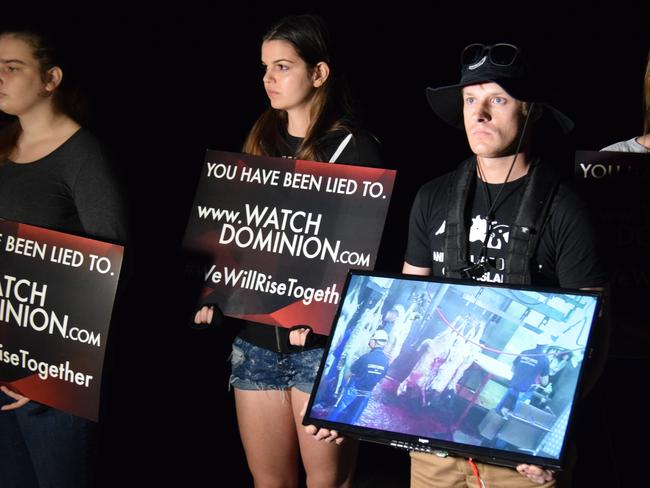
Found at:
<point>617,187</point>
<point>282,233</point>
<point>56,299</point>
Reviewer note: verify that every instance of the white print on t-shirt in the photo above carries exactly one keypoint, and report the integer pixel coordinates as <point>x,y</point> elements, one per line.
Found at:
<point>498,237</point>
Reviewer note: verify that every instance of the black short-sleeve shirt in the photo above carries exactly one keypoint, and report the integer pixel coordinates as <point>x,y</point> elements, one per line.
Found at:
<point>566,254</point>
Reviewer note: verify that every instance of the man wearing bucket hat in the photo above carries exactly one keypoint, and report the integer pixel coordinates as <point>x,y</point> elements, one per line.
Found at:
<point>501,216</point>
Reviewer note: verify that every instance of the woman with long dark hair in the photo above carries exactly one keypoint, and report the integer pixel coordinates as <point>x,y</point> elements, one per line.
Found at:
<point>54,174</point>
<point>309,118</point>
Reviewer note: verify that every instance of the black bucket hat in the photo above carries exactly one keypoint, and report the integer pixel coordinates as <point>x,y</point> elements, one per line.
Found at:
<point>499,63</point>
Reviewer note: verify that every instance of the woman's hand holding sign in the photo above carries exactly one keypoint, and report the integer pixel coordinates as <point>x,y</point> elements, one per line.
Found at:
<point>298,337</point>
<point>204,315</point>
<point>208,314</point>
<point>20,400</point>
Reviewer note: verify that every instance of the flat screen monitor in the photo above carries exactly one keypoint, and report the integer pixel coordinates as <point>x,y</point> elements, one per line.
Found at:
<point>474,369</point>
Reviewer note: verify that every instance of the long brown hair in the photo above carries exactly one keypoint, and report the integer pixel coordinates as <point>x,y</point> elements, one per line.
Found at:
<point>66,98</point>
<point>330,109</point>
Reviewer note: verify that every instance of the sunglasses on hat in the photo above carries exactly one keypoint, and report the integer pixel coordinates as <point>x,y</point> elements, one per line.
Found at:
<point>500,54</point>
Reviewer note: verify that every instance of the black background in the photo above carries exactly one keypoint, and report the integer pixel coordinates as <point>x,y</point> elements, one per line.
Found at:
<point>167,83</point>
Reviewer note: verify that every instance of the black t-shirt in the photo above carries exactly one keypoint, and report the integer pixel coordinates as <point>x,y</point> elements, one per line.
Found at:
<point>362,150</point>
<point>566,254</point>
<point>72,189</point>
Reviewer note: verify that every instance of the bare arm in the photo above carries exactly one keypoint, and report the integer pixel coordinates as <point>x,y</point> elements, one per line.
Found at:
<point>20,400</point>
<point>415,270</point>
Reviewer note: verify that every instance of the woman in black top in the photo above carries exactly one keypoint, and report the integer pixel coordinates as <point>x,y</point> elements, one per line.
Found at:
<point>53,174</point>
<point>310,119</point>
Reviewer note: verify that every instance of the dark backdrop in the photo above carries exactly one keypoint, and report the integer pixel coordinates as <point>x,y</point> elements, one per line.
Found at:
<point>167,83</point>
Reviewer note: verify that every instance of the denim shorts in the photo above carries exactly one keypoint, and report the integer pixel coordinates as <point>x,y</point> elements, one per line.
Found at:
<point>256,368</point>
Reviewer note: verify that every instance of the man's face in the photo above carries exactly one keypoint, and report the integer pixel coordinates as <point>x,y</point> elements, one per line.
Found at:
<point>492,120</point>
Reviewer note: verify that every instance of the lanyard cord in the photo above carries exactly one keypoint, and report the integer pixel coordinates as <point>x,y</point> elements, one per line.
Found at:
<point>475,471</point>
<point>492,205</point>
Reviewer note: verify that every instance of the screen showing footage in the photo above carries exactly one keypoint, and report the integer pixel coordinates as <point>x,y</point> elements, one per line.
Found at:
<point>470,364</point>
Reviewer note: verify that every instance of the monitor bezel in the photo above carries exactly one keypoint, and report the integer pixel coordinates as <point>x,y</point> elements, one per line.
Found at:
<point>440,447</point>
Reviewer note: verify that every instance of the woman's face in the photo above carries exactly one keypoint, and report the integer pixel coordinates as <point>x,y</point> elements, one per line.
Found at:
<point>288,81</point>
<point>21,86</point>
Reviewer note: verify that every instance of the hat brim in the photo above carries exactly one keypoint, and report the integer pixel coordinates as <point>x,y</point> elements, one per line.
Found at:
<point>447,102</point>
